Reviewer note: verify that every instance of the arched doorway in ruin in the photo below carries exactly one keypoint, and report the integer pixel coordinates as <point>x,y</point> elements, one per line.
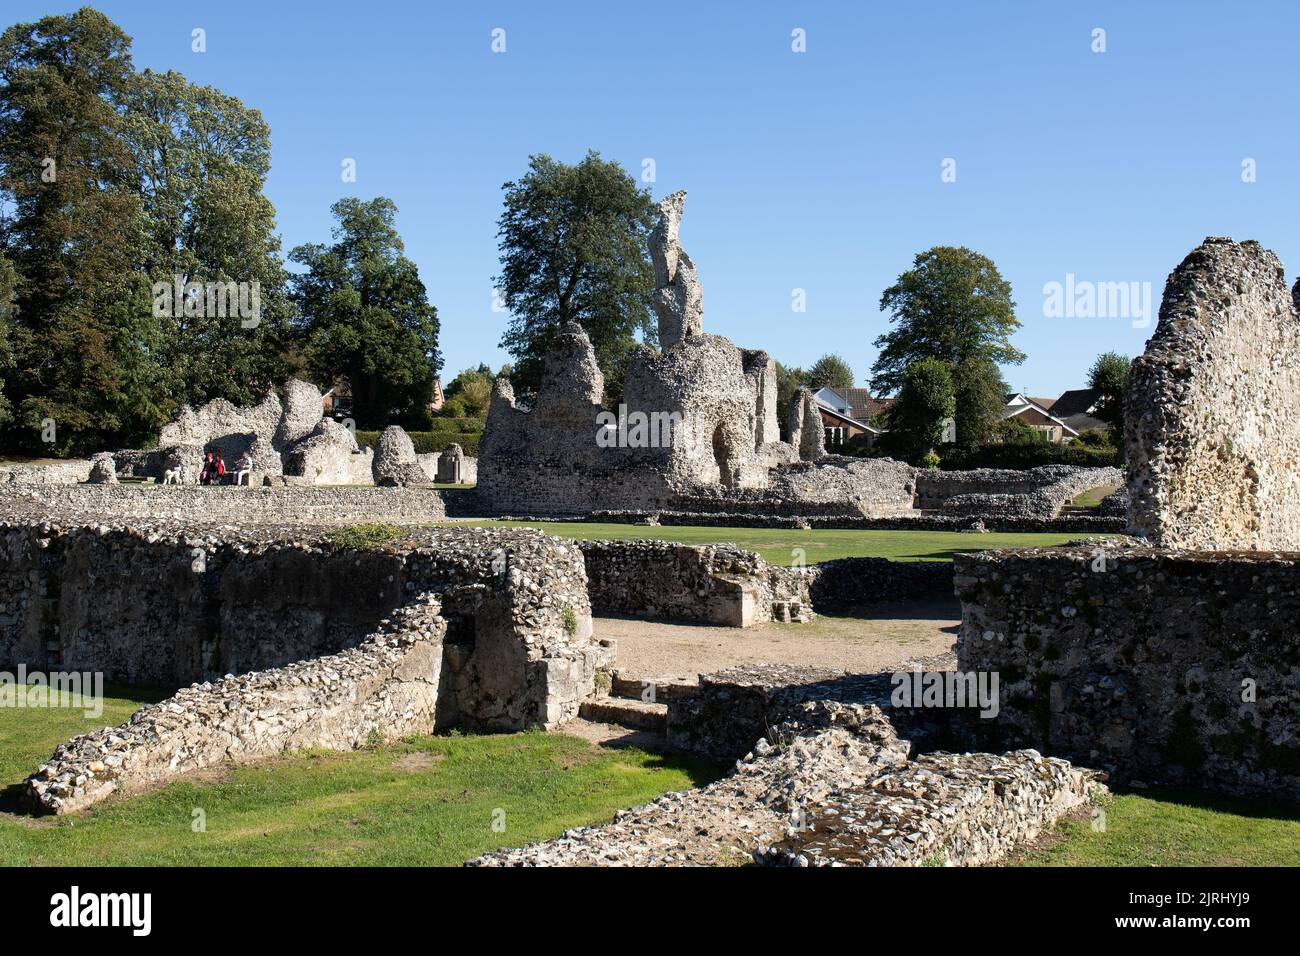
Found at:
<point>722,454</point>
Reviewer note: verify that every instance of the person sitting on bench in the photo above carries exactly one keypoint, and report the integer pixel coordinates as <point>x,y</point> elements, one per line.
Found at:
<point>243,469</point>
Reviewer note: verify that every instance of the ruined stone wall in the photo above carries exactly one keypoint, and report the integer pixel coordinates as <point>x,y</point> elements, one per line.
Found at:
<point>707,584</point>
<point>383,689</point>
<point>787,516</point>
<point>292,504</point>
<point>1169,667</point>
<point>52,473</point>
<point>1035,492</point>
<point>168,608</point>
<point>847,585</point>
<point>1212,411</point>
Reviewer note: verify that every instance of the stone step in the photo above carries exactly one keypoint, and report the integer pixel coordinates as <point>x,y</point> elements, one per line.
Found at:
<point>634,687</point>
<point>633,714</point>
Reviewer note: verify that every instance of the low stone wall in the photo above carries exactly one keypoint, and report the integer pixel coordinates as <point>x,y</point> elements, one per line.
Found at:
<point>707,584</point>
<point>384,689</point>
<point>847,585</point>
<point>990,492</point>
<point>794,798</point>
<point>1157,666</point>
<point>168,607</point>
<point>52,473</point>
<point>228,504</point>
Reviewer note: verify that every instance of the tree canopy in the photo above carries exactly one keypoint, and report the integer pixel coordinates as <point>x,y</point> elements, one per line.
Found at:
<point>925,402</point>
<point>1109,375</point>
<point>952,305</point>
<point>365,316</point>
<point>573,242</point>
<point>830,370</point>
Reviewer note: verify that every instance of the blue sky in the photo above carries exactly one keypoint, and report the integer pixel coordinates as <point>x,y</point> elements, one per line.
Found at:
<point>818,170</point>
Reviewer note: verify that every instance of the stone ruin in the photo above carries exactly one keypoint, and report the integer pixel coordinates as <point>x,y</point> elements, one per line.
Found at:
<point>289,442</point>
<point>320,645</point>
<point>1213,429</point>
<point>697,433</point>
<point>1171,656</point>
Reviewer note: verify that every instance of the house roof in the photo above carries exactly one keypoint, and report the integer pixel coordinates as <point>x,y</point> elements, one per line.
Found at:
<point>1018,403</point>
<point>1084,422</point>
<point>857,403</point>
<point>1076,401</point>
<point>847,420</point>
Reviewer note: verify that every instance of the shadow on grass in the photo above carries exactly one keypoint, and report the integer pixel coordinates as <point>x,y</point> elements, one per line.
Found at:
<point>1258,808</point>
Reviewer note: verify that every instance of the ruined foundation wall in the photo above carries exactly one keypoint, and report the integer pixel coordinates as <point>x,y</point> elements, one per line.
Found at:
<point>706,584</point>
<point>1144,668</point>
<point>228,504</point>
<point>384,689</point>
<point>1034,492</point>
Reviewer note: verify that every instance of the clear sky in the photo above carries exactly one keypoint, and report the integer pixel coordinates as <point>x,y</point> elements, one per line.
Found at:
<point>818,170</point>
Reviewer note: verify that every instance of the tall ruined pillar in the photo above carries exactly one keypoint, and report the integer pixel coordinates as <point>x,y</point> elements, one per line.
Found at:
<point>807,433</point>
<point>678,296</point>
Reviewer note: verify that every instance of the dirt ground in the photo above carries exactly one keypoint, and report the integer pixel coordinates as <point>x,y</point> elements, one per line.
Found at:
<point>900,634</point>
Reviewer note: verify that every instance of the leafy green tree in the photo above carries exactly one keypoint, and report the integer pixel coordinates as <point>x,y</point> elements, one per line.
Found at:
<point>366,317</point>
<point>925,402</point>
<point>469,393</point>
<point>1109,375</point>
<point>84,345</point>
<point>830,370</point>
<point>8,284</point>
<point>952,305</point>
<point>573,243</point>
<point>203,159</point>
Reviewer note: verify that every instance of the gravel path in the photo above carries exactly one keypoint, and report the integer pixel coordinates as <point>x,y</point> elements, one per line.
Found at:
<point>902,633</point>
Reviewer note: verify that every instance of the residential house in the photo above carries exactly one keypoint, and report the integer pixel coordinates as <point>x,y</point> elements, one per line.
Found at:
<point>847,413</point>
<point>1061,419</point>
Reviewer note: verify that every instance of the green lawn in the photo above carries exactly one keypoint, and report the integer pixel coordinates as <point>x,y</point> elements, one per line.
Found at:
<point>1169,828</point>
<point>777,544</point>
<point>425,801</point>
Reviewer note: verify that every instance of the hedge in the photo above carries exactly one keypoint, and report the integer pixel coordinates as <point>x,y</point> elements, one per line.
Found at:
<point>430,442</point>
<point>1029,455</point>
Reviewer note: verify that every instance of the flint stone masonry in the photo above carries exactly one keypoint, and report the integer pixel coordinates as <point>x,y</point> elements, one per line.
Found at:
<point>170,607</point>
<point>941,810</point>
<point>454,467</point>
<point>791,799</point>
<point>846,585</point>
<point>1212,417</point>
<point>916,521</point>
<point>987,492</point>
<point>708,584</point>
<point>227,504</point>
<point>383,689</point>
<point>51,473</point>
<point>395,463</point>
<point>1139,669</point>
<point>288,437</point>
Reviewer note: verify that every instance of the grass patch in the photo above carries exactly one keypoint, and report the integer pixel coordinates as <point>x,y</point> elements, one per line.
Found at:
<point>365,537</point>
<point>1093,496</point>
<point>1174,828</point>
<point>777,544</point>
<point>425,801</point>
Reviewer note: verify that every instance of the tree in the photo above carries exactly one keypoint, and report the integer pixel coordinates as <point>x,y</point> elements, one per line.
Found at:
<point>573,243</point>
<point>954,306</point>
<point>84,345</point>
<point>366,317</point>
<point>203,159</point>
<point>1109,375</point>
<point>8,283</point>
<point>469,393</point>
<point>925,402</point>
<point>830,370</point>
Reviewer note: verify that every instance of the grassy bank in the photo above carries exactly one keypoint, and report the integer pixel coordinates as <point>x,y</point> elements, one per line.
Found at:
<point>426,801</point>
<point>778,545</point>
